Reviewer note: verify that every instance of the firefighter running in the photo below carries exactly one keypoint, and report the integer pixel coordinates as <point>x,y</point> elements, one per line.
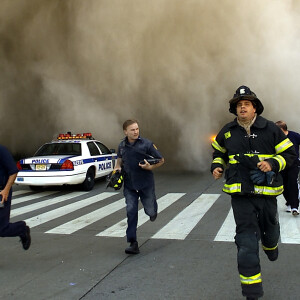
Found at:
<point>255,151</point>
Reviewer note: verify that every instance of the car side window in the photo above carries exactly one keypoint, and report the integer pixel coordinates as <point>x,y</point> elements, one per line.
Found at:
<point>93,149</point>
<point>103,148</point>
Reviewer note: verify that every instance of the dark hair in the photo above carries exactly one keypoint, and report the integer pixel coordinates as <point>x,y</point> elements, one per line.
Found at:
<point>129,122</point>
<point>282,125</point>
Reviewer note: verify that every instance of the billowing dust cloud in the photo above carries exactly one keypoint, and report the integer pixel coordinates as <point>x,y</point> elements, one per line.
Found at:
<point>86,66</point>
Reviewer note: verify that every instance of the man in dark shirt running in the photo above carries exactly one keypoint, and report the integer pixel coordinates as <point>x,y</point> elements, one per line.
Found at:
<point>135,156</point>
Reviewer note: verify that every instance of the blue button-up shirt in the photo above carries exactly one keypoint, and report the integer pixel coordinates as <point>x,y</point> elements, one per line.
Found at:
<point>131,154</point>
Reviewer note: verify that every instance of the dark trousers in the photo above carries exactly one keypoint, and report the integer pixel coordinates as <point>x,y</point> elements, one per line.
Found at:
<point>148,199</point>
<point>256,218</point>
<point>8,229</point>
<point>290,184</point>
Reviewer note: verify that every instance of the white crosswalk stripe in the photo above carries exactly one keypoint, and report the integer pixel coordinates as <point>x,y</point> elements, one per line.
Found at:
<point>119,229</point>
<point>184,222</point>
<point>227,230</point>
<point>61,211</point>
<point>178,227</point>
<point>31,197</point>
<point>21,192</point>
<point>38,205</point>
<point>88,219</point>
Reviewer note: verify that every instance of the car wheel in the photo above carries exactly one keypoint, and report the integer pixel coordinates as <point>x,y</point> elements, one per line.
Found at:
<point>35,187</point>
<point>89,181</point>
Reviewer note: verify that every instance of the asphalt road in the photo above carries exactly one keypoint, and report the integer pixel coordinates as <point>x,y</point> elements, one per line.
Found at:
<point>78,246</point>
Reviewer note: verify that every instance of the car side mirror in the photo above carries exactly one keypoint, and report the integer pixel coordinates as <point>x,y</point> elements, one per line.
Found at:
<point>112,150</point>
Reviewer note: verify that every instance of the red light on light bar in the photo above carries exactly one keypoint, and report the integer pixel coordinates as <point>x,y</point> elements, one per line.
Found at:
<point>69,136</point>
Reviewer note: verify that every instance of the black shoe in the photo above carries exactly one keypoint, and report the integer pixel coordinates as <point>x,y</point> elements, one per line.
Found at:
<point>153,218</point>
<point>251,298</point>
<point>133,248</point>
<point>26,239</point>
<point>272,254</point>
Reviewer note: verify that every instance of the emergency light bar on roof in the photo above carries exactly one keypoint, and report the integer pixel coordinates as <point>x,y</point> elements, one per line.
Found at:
<point>69,136</point>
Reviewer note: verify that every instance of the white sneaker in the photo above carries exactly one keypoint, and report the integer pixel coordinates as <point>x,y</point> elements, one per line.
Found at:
<point>295,212</point>
<point>288,208</point>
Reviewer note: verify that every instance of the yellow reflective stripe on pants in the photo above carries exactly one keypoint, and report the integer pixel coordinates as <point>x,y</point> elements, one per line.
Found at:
<point>285,144</point>
<point>269,249</point>
<point>218,147</point>
<point>251,280</point>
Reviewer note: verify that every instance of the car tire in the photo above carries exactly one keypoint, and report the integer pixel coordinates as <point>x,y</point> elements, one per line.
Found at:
<point>89,181</point>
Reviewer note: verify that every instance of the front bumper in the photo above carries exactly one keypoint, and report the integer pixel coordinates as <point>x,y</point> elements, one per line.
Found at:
<point>49,178</point>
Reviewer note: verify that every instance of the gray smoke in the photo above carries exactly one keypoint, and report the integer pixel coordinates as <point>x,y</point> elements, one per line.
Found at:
<point>86,66</point>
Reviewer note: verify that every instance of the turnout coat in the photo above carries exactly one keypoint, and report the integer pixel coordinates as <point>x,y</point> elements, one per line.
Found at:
<point>238,153</point>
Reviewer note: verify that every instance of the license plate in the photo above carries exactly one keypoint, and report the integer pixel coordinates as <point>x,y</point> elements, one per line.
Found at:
<point>40,167</point>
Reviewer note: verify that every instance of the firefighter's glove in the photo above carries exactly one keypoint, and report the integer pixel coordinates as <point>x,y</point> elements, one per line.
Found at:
<point>257,176</point>
<point>247,161</point>
<point>270,176</point>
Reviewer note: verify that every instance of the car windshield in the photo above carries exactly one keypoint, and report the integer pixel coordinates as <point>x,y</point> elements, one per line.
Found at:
<point>59,149</point>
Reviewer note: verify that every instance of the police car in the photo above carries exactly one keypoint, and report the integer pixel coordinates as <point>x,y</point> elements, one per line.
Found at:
<point>69,159</point>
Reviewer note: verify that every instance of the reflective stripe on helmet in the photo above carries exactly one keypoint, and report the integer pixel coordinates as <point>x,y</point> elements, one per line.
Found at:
<point>285,144</point>
<point>116,180</point>
<point>219,160</point>
<point>218,147</point>
<point>251,280</point>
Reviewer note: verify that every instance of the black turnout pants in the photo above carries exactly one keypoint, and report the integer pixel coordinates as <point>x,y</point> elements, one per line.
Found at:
<point>256,218</point>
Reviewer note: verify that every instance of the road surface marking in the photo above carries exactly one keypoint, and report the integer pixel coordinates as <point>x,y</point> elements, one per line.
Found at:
<point>227,230</point>
<point>31,207</point>
<point>31,197</point>
<point>88,219</point>
<point>180,226</point>
<point>119,229</point>
<point>64,210</point>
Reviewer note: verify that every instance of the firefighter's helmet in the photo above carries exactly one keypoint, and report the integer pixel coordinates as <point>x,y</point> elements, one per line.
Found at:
<point>244,93</point>
<point>115,179</point>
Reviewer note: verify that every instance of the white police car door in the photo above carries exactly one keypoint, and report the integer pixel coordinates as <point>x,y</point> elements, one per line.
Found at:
<point>103,163</point>
<point>108,157</point>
